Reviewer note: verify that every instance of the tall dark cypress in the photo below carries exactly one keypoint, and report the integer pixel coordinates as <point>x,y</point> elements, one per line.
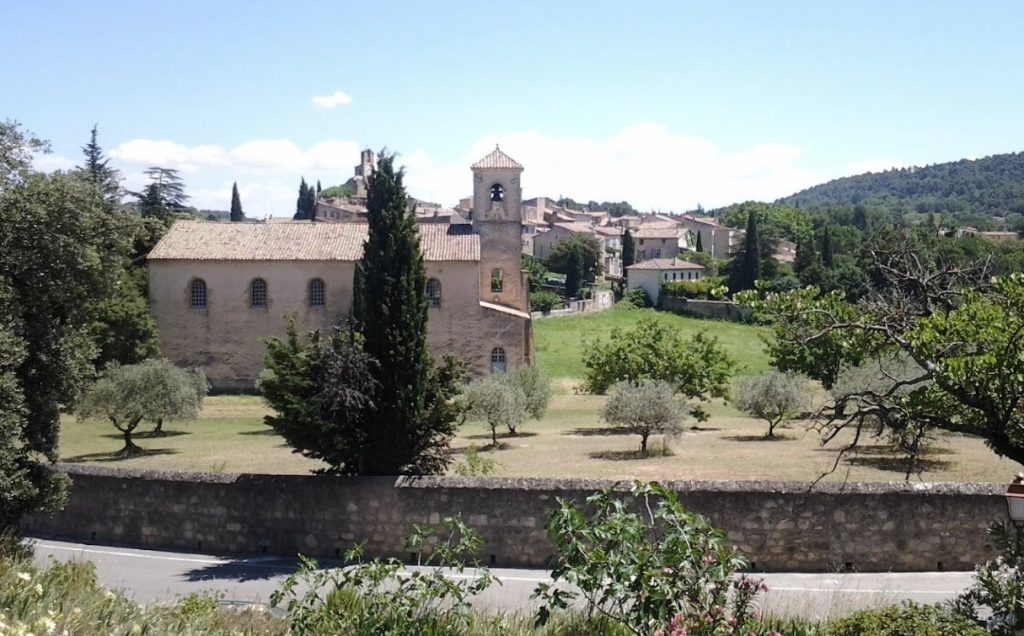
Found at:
<point>699,246</point>
<point>392,280</point>
<point>826,248</point>
<point>628,250</point>
<point>236,205</point>
<point>748,269</point>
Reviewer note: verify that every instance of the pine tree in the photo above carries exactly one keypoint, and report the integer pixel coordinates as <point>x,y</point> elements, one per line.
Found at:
<point>699,246</point>
<point>237,214</point>
<point>826,248</point>
<point>97,169</point>
<point>747,265</point>
<point>628,250</point>
<point>164,194</point>
<point>412,421</point>
<point>806,255</point>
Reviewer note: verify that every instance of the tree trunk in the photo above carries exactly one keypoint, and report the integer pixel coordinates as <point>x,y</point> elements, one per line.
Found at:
<point>494,436</point>
<point>643,444</point>
<point>511,429</point>
<point>159,430</point>
<point>130,448</point>
<point>771,429</point>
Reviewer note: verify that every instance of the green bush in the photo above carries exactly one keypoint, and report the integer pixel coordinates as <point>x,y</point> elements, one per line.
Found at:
<point>704,289</point>
<point>637,298</point>
<point>544,301</point>
<point>908,619</point>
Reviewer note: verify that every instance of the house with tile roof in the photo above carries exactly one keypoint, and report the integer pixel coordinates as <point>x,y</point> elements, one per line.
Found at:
<point>650,274</point>
<point>217,290</point>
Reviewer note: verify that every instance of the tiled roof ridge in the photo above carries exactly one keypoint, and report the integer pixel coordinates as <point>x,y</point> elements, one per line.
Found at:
<point>497,159</point>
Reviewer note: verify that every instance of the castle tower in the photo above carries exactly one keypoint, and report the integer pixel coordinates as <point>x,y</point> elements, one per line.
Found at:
<point>497,219</point>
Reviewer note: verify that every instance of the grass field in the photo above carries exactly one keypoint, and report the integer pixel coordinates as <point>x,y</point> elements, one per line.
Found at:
<point>571,441</point>
<point>558,342</point>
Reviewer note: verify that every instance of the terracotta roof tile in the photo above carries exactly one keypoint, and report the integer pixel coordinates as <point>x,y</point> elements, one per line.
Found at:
<point>300,241</point>
<point>655,232</point>
<point>497,159</point>
<point>665,263</point>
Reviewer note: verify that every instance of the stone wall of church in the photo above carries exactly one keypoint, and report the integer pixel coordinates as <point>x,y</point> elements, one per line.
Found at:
<point>225,339</point>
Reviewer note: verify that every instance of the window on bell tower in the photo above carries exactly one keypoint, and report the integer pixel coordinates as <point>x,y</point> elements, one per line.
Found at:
<point>497,192</point>
<point>496,280</point>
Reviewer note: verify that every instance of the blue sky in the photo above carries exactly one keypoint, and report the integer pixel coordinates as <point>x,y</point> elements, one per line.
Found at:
<point>665,104</point>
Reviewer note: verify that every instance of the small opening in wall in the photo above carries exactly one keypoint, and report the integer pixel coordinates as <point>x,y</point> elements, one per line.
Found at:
<point>939,567</point>
<point>494,559</point>
<point>337,553</point>
<point>412,557</point>
<point>753,566</point>
<point>92,537</point>
<point>199,545</point>
<point>848,566</point>
<point>263,549</point>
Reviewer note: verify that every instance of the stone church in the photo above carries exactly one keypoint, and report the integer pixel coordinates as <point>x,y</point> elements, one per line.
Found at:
<point>216,290</point>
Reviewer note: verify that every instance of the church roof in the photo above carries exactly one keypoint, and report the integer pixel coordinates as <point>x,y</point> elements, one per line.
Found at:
<point>665,263</point>
<point>300,241</point>
<point>497,159</point>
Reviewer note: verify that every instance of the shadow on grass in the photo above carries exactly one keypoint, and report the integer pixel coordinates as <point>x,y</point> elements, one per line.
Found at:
<point>149,434</point>
<point>898,464</point>
<point>758,438</point>
<point>268,432</point>
<point>505,435</point>
<point>630,455</point>
<point>115,456</point>
<point>704,429</point>
<point>594,432</point>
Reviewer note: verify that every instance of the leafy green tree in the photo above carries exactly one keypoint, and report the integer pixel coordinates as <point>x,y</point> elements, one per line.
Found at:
<point>497,403</point>
<point>413,421</point>
<point>164,195</point>
<point>543,301</point>
<point>698,368</point>
<point>153,390</point>
<point>536,388</point>
<point>536,272</point>
<point>97,170</point>
<point>773,397</point>
<point>645,407</point>
<point>61,253</point>
<point>321,391</point>
<point>579,257</point>
<point>237,214</point>
<point>640,559</point>
<point>18,147</point>
<point>827,252</point>
<point>628,249</point>
<point>806,255</point>
<point>747,268</point>
<point>124,329</point>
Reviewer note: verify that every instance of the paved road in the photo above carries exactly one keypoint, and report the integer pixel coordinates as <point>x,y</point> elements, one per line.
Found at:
<point>150,576</point>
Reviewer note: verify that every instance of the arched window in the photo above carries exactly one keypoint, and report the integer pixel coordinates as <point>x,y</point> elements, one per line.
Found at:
<point>317,294</point>
<point>497,192</point>
<point>497,360</point>
<point>496,280</point>
<point>434,292</point>
<point>197,293</point>
<point>258,293</point>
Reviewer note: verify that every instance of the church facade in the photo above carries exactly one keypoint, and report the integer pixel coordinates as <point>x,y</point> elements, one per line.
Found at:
<point>216,290</point>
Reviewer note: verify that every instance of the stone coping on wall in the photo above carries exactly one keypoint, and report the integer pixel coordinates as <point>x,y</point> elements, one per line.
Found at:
<point>562,484</point>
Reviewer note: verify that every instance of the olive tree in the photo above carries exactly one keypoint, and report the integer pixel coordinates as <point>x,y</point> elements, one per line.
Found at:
<point>153,390</point>
<point>773,397</point>
<point>496,402</point>
<point>645,407</point>
<point>536,388</point>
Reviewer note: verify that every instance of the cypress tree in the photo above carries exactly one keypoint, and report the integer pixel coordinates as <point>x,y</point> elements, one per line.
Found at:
<point>699,246</point>
<point>748,269</point>
<point>826,248</point>
<point>305,205</point>
<point>806,256</point>
<point>318,188</point>
<point>403,433</point>
<point>628,250</point>
<point>236,205</point>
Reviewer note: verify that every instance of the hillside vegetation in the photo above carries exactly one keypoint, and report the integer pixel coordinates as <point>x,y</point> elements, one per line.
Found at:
<point>968,190</point>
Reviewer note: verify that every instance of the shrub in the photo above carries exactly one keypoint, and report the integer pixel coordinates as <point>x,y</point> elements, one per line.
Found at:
<point>637,298</point>
<point>998,584</point>
<point>475,465</point>
<point>661,570</point>
<point>544,300</point>
<point>706,289</point>
<point>908,619</point>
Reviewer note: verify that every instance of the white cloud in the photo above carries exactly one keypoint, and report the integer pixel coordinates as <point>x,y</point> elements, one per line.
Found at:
<point>328,102</point>
<point>645,164</point>
<point>51,162</point>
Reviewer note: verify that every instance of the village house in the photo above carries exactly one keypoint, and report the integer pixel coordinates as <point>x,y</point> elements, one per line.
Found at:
<point>216,290</point>
<point>650,274</point>
<point>716,239</point>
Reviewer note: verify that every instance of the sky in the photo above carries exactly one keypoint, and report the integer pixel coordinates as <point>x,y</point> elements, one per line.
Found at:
<point>667,105</point>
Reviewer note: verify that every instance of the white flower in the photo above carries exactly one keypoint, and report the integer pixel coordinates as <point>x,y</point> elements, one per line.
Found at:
<point>24,576</point>
<point>49,625</point>
<point>38,589</point>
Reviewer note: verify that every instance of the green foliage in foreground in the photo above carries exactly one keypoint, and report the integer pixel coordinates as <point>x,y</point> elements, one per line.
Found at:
<point>908,619</point>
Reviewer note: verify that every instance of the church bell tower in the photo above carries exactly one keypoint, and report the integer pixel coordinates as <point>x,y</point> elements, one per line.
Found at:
<point>498,220</point>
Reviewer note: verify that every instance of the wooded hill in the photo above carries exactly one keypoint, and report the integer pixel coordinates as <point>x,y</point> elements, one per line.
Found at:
<point>971,191</point>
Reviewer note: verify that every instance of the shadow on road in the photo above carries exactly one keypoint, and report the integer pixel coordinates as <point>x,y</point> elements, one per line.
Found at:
<point>244,569</point>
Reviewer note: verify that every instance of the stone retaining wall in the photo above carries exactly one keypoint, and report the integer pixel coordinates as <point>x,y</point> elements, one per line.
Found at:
<point>715,309</point>
<point>780,526</point>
